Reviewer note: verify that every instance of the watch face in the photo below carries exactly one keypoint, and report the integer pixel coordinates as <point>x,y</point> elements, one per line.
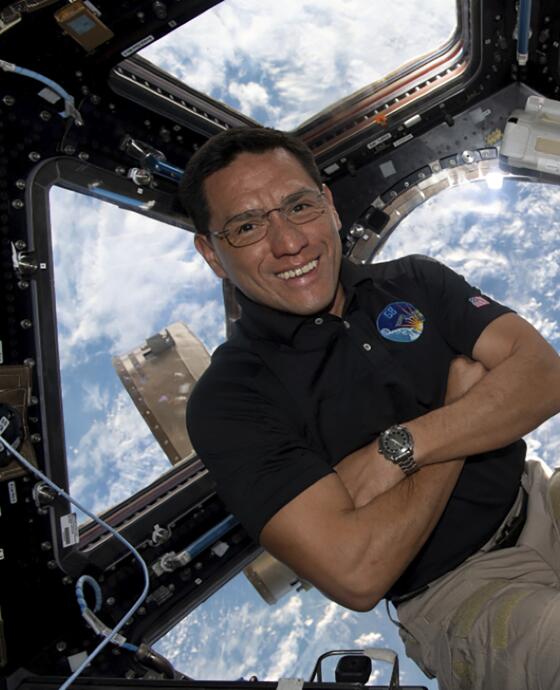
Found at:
<point>397,443</point>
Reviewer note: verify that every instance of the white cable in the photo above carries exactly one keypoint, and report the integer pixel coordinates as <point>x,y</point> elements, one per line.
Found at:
<point>114,532</point>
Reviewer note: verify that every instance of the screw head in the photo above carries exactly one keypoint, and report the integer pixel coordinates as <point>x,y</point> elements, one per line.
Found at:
<point>26,324</point>
<point>8,100</point>
<point>20,184</point>
<point>17,203</point>
<point>34,156</point>
<point>45,115</point>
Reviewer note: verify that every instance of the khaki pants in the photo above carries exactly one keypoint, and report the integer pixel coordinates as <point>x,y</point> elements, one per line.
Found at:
<point>494,622</point>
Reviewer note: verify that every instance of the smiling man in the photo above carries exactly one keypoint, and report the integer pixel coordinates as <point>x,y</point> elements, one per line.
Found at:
<point>337,419</point>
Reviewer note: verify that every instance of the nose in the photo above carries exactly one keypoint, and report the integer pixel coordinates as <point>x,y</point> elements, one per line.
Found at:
<point>285,237</point>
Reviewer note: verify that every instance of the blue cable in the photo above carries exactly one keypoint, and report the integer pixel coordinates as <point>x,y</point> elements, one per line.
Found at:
<point>523,31</point>
<point>70,109</point>
<point>80,592</point>
<point>214,533</point>
<point>135,606</point>
<point>164,168</point>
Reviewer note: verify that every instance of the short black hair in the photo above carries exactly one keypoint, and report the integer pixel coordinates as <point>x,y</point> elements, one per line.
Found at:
<point>219,151</point>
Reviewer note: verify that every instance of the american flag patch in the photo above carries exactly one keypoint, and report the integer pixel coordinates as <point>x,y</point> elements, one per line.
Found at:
<point>478,301</point>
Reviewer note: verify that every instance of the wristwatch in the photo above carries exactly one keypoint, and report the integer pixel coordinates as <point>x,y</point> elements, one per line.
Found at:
<point>397,445</point>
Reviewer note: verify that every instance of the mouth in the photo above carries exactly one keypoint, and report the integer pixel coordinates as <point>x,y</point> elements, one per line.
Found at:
<point>298,272</point>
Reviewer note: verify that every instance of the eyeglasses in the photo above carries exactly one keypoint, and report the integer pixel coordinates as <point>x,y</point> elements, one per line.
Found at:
<point>251,227</point>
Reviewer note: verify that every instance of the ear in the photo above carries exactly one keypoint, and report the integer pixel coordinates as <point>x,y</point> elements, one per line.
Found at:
<point>205,247</point>
<point>329,198</point>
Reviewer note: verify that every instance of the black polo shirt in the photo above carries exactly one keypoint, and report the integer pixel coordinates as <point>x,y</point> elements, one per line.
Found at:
<point>287,397</point>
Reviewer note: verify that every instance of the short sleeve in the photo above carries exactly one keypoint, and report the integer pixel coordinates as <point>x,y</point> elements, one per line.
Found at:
<point>252,448</point>
<point>461,310</point>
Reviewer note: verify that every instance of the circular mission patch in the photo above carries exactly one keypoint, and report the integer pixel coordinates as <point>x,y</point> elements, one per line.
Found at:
<point>400,322</point>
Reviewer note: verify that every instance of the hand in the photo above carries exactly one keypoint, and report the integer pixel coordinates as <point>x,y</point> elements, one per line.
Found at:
<point>464,373</point>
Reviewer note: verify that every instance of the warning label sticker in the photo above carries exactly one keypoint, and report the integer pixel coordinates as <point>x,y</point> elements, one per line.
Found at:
<point>70,532</point>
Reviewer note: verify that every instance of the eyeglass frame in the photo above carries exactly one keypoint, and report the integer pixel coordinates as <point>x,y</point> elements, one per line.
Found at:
<point>223,234</point>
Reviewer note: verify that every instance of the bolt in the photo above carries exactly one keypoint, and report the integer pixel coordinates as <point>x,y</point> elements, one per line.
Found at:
<point>20,244</point>
<point>111,106</point>
<point>60,646</point>
<point>29,362</point>
<point>17,203</point>
<point>110,601</point>
<point>46,546</point>
<point>33,400</point>
<point>140,16</point>
<point>8,100</point>
<point>83,156</point>
<point>142,611</point>
<point>20,184</point>
<point>23,284</point>
<point>69,149</point>
<point>120,170</point>
<point>51,565</point>
<point>34,156</point>
<point>67,580</point>
<point>95,99</point>
<point>35,438</point>
<point>160,9</point>
<point>26,324</point>
<point>78,74</point>
<point>85,90</point>
<point>45,115</point>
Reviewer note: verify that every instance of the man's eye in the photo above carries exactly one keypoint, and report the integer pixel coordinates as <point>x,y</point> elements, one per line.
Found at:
<point>300,206</point>
<point>245,228</point>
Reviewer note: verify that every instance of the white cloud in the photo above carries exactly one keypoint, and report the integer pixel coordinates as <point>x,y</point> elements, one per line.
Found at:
<point>117,275</point>
<point>368,639</point>
<point>95,399</point>
<point>116,457</point>
<point>305,56</point>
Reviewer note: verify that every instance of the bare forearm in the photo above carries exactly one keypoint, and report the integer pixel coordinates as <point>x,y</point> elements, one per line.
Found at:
<point>369,546</point>
<point>408,513</point>
<point>511,400</point>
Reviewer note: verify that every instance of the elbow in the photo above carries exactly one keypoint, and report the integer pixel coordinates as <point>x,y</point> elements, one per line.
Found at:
<point>356,593</point>
<point>360,604</point>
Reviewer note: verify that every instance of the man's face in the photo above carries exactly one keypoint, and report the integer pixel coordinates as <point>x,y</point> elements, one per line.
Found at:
<point>264,271</point>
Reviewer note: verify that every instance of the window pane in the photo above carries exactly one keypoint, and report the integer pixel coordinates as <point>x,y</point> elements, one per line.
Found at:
<point>283,62</point>
<point>119,278</point>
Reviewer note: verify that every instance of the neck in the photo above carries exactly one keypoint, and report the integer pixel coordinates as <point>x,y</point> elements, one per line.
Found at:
<point>338,301</point>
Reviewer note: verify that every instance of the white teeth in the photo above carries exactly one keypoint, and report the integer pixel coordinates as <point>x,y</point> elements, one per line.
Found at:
<point>302,270</point>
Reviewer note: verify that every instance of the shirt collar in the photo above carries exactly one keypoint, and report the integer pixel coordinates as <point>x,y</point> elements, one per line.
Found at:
<point>261,321</point>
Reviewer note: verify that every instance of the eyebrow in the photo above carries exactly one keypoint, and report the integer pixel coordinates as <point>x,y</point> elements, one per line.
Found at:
<point>252,212</point>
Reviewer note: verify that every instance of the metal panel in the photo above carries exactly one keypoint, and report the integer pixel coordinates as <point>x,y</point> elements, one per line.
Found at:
<point>159,377</point>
